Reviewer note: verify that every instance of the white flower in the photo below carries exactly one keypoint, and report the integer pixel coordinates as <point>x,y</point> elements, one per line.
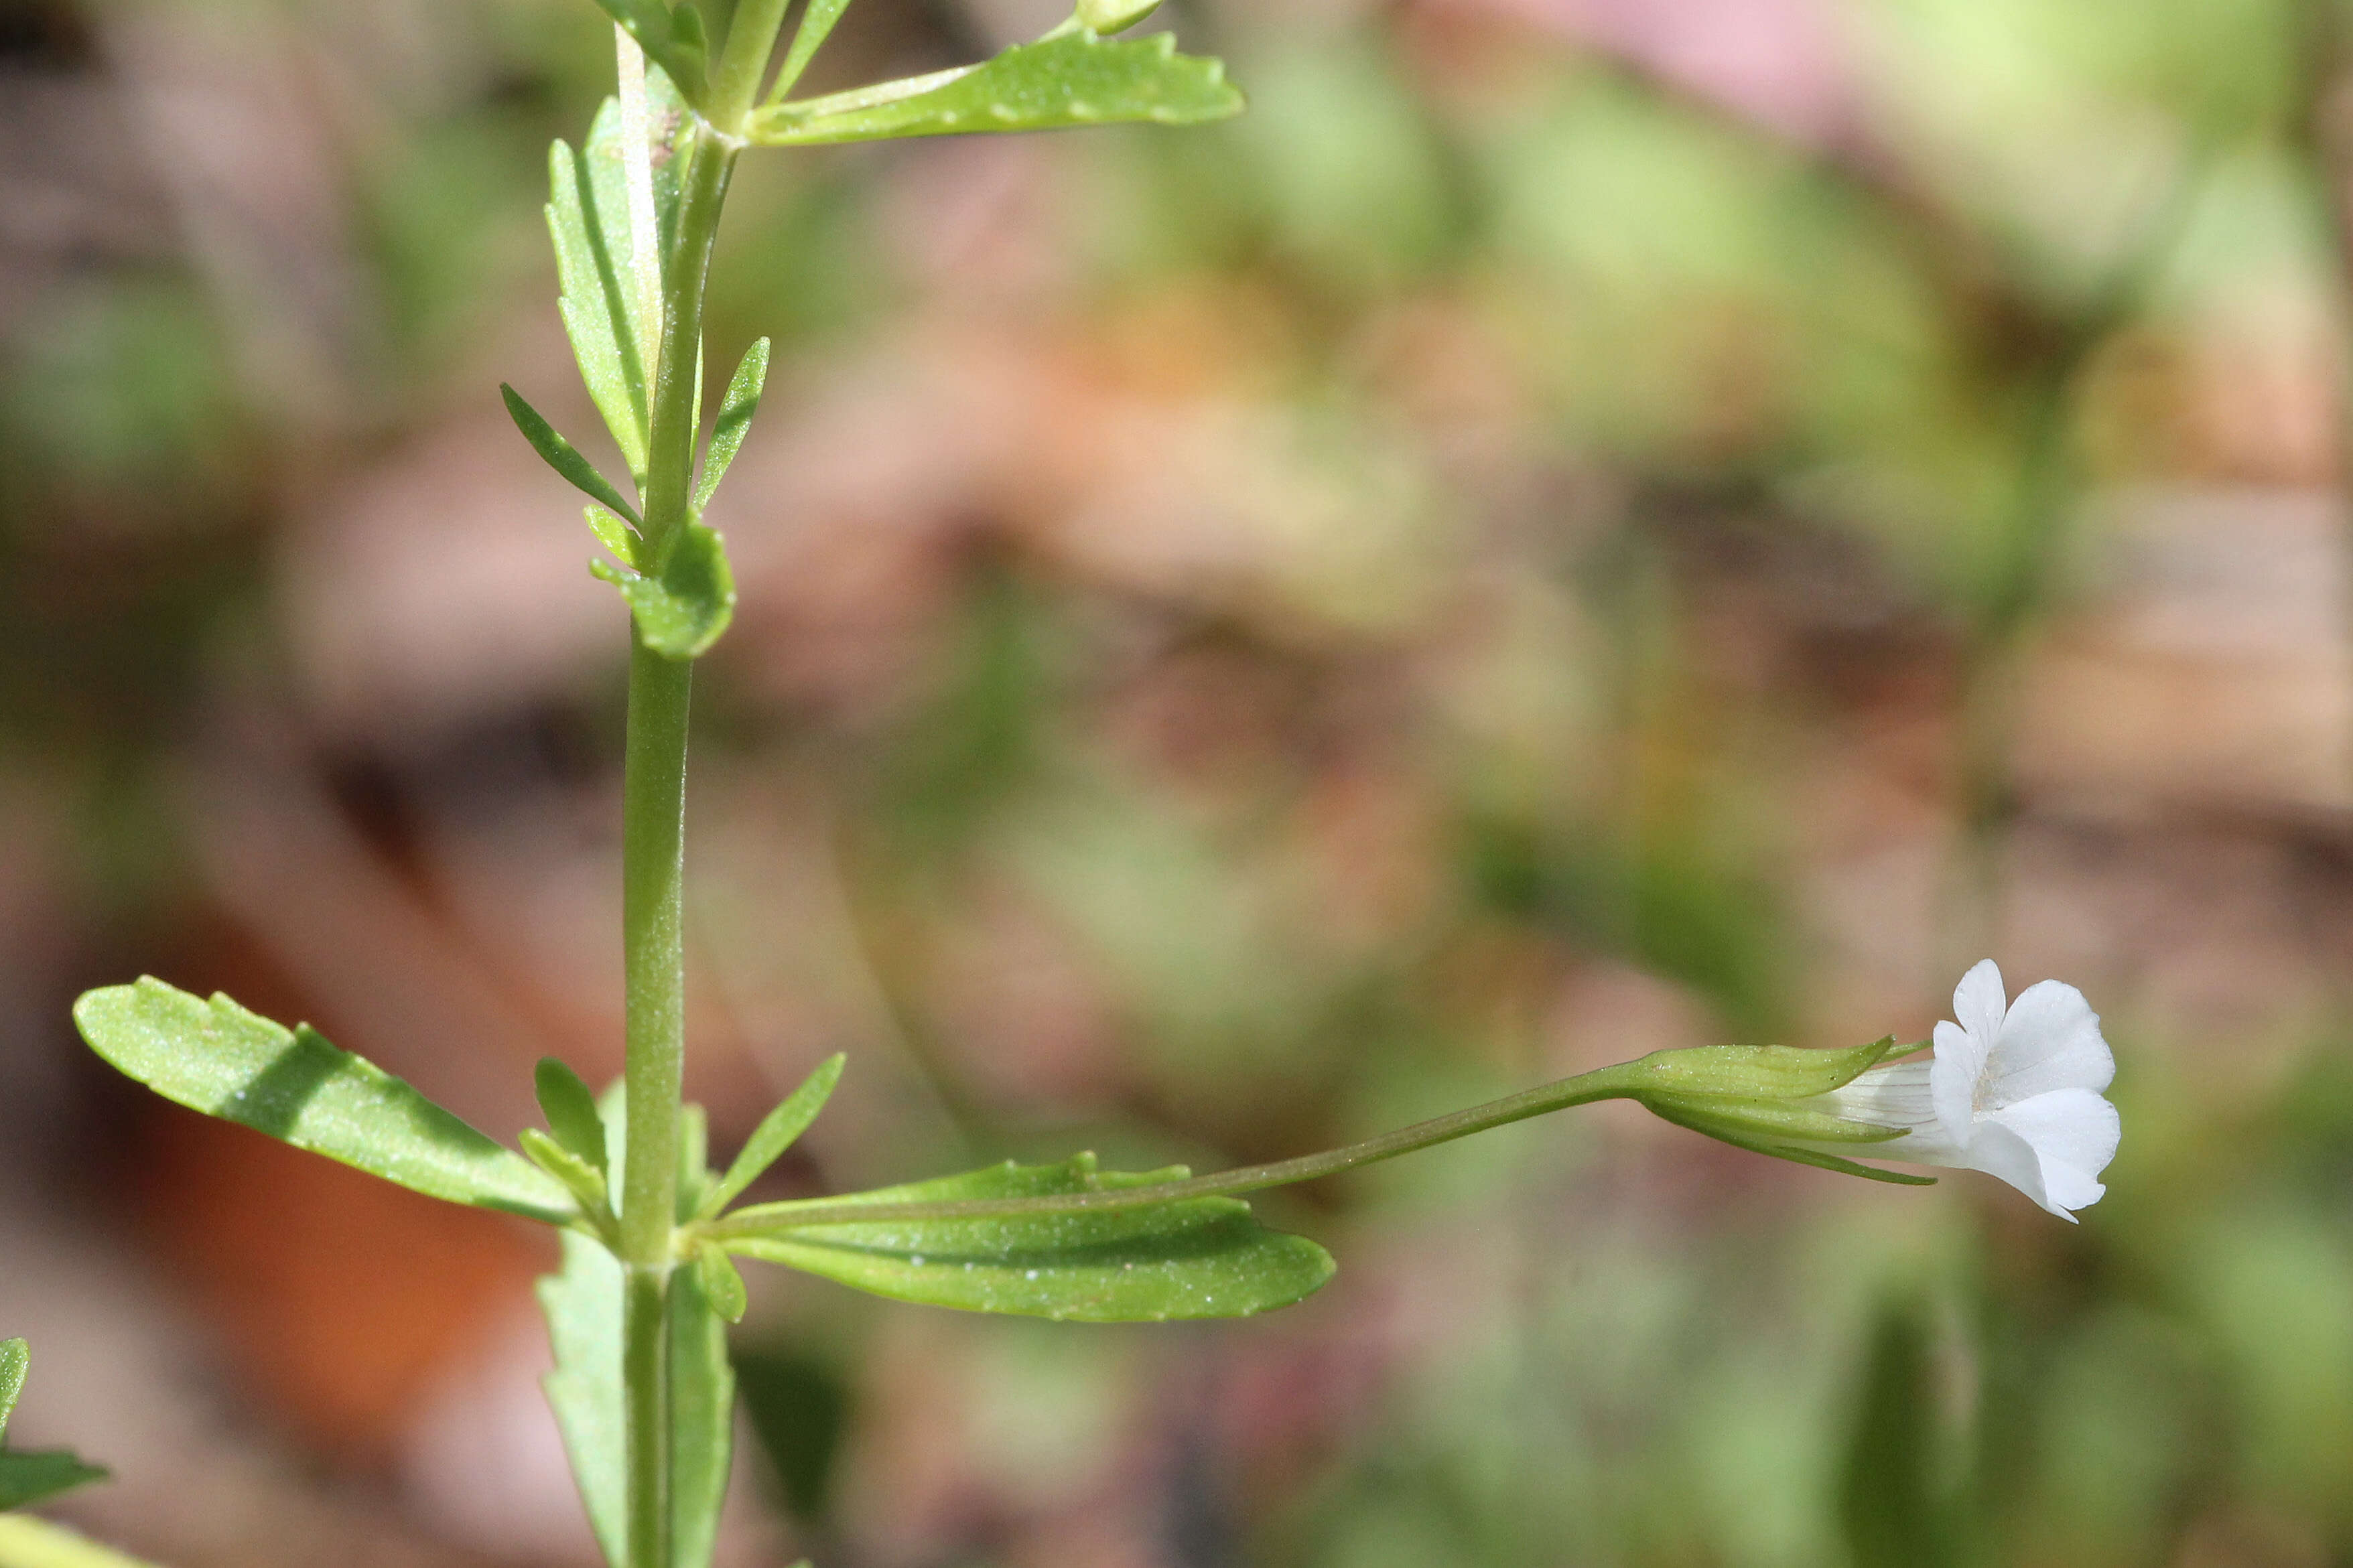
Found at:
<point>2012,1090</point>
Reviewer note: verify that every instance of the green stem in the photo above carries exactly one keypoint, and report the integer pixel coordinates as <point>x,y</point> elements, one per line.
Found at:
<point>645,1374</point>
<point>1620,1082</point>
<point>670,480</point>
<point>653,868</point>
<point>653,818</point>
<point>751,39</point>
<point>29,1542</point>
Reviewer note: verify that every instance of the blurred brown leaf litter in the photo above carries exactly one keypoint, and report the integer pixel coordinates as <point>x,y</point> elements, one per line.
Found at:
<point>1575,528</point>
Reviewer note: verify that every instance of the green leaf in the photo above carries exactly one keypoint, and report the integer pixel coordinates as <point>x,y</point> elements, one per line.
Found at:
<point>613,533</point>
<point>722,1285</point>
<point>669,122</point>
<point>29,1478</point>
<point>1201,1258</point>
<point>702,1419</point>
<point>16,1359</point>
<point>736,411</point>
<point>776,1132</point>
<point>570,1111</point>
<point>667,42</point>
<point>693,1158</point>
<point>816,24</point>
<point>684,610</point>
<point>583,1304</point>
<point>1741,1134</point>
<point>216,1057</point>
<point>592,260</point>
<point>686,32</point>
<point>1109,17</point>
<point>1779,1072</point>
<point>586,1183</point>
<point>1072,80</point>
<point>563,457</point>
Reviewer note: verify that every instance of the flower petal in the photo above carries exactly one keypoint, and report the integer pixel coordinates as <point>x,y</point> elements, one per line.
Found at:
<point>1898,1096</point>
<point>2050,1040</point>
<point>1953,1081</point>
<point>1979,1003</point>
<point>1999,1152</point>
<point>2074,1132</point>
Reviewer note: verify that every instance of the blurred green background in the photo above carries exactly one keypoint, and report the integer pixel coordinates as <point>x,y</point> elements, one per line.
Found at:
<point>1576,527</point>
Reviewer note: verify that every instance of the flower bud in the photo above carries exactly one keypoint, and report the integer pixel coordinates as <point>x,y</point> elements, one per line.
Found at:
<point>1769,1100</point>
<point>1104,17</point>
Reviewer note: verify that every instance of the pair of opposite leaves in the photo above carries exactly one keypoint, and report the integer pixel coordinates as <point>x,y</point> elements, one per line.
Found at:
<point>680,587</point>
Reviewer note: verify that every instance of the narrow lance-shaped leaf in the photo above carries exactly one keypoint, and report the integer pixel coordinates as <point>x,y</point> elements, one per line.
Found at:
<point>702,1419</point>
<point>736,411</point>
<point>693,1160</point>
<point>26,1479</point>
<point>584,1308</point>
<point>583,1304</point>
<point>681,611</point>
<point>596,310</point>
<point>1201,1258</point>
<point>218,1057</point>
<point>816,24</point>
<point>1072,80</point>
<point>722,1284</point>
<point>667,42</point>
<point>776,1132</point>
<point>30,1477</point>
<point>570,1111</point>
<point>583,1181</point>
<point>564,458</point>
<point>16,1358</point>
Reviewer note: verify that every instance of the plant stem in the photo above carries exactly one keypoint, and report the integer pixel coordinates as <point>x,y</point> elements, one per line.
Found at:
<point>751,39</point>
<point>29,1542</point>
<point>645,1375</point>
<point>653,868</point>
<point>653,815</point>
<point>1622,1081</point>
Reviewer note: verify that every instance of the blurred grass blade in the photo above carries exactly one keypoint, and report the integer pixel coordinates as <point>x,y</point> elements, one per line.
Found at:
<point>597,315</point>
<point>216,1057</point>
<point>570,1108</point>
<point>564,458</point>
<point>736,411</point>
<point>816,24</point>
<point>1202,1258</point>
<point>776,1132</point>
<point>583,1304</point>
<point>1893,1503</point>
<point>687,608</point>
<point>1073,81</point>
<point>702,1419</point>
<point>799,1408</point>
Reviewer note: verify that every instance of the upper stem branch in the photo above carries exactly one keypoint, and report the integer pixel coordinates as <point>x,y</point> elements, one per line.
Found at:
<point>1607,1083</point>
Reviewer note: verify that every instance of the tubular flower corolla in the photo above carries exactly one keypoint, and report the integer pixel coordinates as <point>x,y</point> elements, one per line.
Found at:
<point>2012,1089</point>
